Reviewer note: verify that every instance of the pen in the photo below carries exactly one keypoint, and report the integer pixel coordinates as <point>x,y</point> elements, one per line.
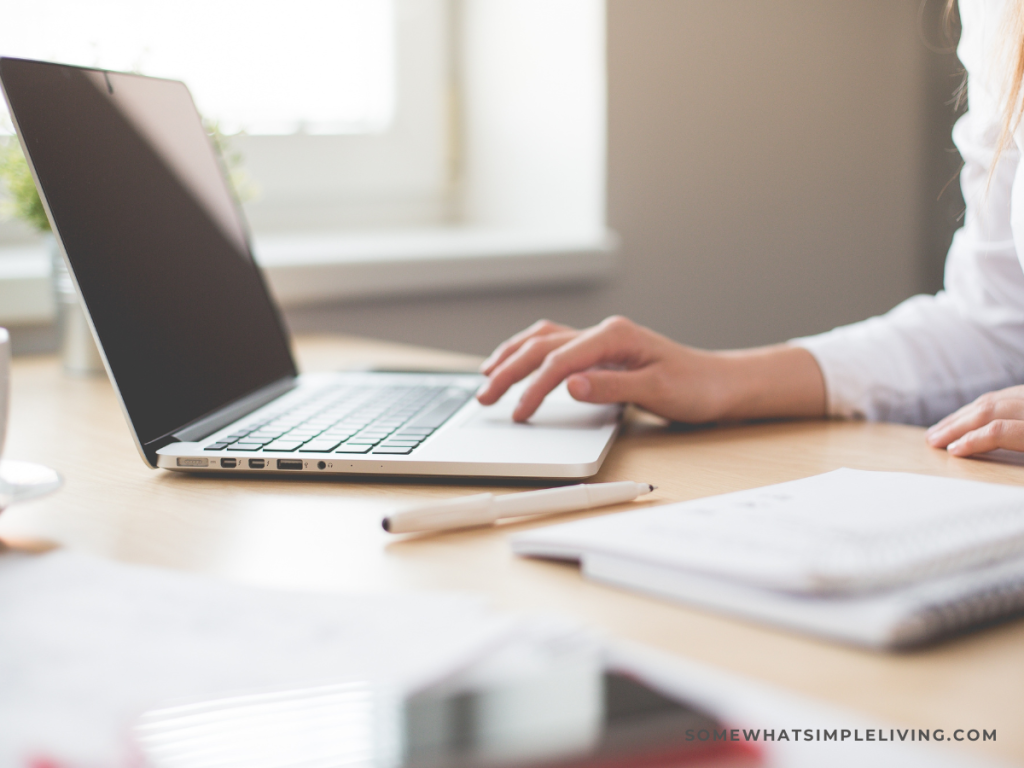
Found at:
<point>486,508</point>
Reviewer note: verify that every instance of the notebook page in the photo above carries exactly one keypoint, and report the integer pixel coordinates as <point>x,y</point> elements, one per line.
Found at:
<point>843,531</point>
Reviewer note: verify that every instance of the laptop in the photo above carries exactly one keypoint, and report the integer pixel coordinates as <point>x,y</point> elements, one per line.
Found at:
<point>159,251</point>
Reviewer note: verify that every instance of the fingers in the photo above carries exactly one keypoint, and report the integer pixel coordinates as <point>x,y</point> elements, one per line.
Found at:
<point>943,423</point>
<point>957,415</point>
<point>521,363</point>
<point>557,352</point>
<point>1001,433</point>
<point>972,417</point>
<point>609,386</point>
<point>994,420</point>
<point>613,341</point>
<point>989,398</point>
<point>507,348</point>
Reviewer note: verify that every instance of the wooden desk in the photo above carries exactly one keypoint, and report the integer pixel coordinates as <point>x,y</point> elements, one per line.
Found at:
<point>325,534</point>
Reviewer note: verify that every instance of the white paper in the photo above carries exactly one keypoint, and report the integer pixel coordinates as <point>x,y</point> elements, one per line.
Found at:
<point>87,646</point>
<point>847,530</point>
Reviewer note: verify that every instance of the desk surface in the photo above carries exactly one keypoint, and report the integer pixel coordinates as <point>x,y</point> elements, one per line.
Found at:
<point>325,534</point>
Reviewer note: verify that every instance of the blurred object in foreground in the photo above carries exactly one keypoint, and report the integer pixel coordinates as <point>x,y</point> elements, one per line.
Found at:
<point>23,480</point>
<point>347,724</point>
<point>87,646</point>
<point>542,698</point>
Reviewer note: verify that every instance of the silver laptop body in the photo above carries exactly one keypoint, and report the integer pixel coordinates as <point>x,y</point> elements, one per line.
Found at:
<point>159,251</point>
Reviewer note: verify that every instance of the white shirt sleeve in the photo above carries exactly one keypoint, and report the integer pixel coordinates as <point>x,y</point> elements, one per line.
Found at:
<point>932,354</point>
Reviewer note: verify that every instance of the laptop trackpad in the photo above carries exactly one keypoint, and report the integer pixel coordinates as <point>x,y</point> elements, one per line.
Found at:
<point>563,433</point>
<point>558,410</point>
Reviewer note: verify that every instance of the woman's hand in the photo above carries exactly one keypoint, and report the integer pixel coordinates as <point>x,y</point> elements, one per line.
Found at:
<point>618,361</point>
<point>994,420</point>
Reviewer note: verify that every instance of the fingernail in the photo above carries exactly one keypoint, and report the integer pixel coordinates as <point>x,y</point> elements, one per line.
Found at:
<point>581,385</point>
<point>954,445</point>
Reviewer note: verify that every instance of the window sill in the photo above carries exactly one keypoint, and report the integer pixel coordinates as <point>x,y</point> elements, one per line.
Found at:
<point>304,269</point>
<point>26,296</point>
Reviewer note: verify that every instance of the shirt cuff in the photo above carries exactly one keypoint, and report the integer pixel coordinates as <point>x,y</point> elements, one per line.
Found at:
<point>844,393</point>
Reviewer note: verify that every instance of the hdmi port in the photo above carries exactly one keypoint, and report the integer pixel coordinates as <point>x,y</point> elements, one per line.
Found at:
<point>289,463</point>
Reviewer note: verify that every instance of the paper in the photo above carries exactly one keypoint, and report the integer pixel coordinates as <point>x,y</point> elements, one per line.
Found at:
<point>843,531</point>
<point>87,646</point>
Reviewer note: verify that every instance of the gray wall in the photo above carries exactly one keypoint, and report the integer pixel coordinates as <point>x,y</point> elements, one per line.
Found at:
<point>774,170</point>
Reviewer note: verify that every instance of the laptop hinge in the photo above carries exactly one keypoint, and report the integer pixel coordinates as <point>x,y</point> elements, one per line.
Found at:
<point>220,418</point>
<point>207,425</point>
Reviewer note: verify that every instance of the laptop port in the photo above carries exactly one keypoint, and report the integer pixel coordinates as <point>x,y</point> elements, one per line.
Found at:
<point>229,463</point>
<point>257,463</point>
<point>289,463</point>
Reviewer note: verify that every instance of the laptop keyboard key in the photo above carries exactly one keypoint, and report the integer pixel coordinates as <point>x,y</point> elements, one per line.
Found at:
<point>354,449</point>
<point>436,415</point>
<point>283,445</point>
<point>394,450</point>
<point>319,446</point>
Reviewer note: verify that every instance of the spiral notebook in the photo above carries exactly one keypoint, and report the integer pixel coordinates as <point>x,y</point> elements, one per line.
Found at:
<point>883,559</point>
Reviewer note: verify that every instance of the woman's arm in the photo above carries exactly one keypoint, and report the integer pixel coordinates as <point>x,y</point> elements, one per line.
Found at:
<point>620,361</point>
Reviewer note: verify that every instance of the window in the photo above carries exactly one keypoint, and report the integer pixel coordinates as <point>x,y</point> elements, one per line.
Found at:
<point>459,146</point>
<point>322,66</point>
<point>343,102</point>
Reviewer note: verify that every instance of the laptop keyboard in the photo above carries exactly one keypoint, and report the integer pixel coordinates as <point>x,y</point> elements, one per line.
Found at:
<point>352,420</point>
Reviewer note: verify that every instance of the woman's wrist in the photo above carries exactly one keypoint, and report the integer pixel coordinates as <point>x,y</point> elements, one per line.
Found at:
<point>769,382</point>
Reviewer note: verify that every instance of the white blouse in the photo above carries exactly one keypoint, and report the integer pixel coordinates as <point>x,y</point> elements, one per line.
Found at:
<point>932,354</point>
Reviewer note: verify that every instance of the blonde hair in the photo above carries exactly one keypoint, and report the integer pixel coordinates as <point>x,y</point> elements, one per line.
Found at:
<point>1010,54</point>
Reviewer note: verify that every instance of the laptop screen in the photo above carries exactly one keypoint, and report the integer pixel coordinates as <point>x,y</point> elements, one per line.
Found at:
<point>154,237</point>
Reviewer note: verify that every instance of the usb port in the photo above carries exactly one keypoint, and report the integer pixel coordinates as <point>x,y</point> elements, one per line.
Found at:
<point>257,463</point>
<point>229,463</point>
<point>289,463</point>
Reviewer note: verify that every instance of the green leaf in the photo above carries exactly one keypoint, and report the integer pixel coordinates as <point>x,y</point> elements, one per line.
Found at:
<point>23,199</point>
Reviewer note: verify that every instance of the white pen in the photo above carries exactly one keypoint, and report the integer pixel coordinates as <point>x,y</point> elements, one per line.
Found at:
<point>486,508</point>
